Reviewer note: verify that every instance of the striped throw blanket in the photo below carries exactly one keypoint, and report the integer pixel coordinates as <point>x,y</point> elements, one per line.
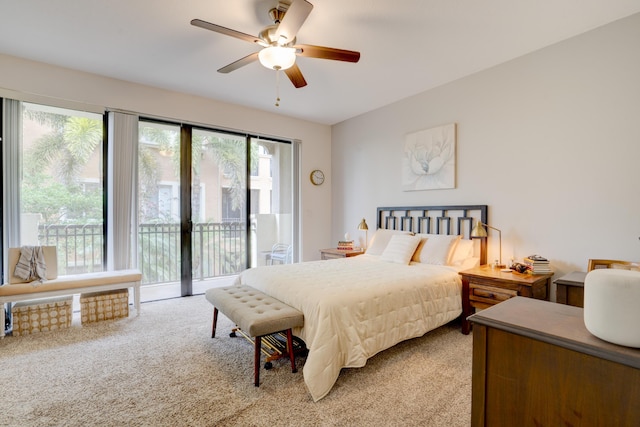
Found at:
<point>31,265</point>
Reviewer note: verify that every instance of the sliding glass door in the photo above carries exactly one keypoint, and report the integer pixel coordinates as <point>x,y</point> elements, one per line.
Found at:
<point>159,211</point>
<point>272,216</point>
<point>238,205</point>
<point>218,207</point>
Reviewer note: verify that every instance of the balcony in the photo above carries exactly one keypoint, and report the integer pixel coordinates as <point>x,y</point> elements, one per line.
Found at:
<point>219,249</point>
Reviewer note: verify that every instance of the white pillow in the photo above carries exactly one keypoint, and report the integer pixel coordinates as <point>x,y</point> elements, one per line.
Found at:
<point>400,248</point>
<point>463,250</point>
<point>435,248</point>
<point>471,262</point>
<point>380,240</point>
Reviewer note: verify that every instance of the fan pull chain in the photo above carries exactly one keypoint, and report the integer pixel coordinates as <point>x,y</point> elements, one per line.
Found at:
<point>278,87</point>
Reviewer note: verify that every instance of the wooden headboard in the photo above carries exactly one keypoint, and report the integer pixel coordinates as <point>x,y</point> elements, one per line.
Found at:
<point>435,220</point>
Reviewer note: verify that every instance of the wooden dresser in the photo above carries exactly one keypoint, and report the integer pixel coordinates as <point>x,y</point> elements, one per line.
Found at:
<point>535,364</point>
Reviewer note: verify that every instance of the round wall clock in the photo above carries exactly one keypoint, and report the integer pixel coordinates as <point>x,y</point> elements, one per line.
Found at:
<point>317,177</point>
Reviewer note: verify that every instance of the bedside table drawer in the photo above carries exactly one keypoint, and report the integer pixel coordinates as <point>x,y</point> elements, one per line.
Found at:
<point>327,255</point>
<point>489,294</point>
<point>339,253</point>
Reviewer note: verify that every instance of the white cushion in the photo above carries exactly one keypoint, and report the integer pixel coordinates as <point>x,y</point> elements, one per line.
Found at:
<point>75,281</point>
<point>611,305</point>
<point>380,240</point>
<point>435,248</point>
<point>400,248</point>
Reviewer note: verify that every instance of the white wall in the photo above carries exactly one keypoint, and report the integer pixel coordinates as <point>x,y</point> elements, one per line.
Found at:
<point>31,80</point>
<point>550,141</point>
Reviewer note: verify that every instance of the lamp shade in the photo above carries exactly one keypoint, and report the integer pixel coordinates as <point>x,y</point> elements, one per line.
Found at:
<point>363,225</point>
<point>478,231</point>
<point>277,57</point>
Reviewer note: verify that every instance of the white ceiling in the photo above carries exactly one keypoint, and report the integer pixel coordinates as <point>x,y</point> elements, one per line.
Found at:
<point>407,46</point>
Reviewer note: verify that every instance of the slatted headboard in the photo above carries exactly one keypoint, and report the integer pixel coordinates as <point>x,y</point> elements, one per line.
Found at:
<point>435,220</point>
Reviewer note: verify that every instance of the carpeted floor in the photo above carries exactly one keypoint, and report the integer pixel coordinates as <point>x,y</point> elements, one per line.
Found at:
<point>163,369</point>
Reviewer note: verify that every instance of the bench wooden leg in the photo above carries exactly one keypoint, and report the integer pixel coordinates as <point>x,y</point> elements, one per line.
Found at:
<point>136,298</point>
<point>215,321</point>
<point>292,356</point>
<point>256,362</point>
<point>2,319</point>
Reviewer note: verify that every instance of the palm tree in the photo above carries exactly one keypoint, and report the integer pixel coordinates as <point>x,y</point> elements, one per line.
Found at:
<point>66,149</point>
<point>230,155</point>
<point>153,139</point>
<point>52,185</point>
<point>61,153</point>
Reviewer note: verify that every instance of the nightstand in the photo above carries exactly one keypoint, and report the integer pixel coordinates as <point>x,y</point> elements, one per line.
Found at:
<point>485,286</point>
<point>333,253</point>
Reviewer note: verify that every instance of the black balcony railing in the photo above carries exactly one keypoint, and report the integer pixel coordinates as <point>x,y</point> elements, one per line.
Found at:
<point>219,249</point>
<point>79,247</point>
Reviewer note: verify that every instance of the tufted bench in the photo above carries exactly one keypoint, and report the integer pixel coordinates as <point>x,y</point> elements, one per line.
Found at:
<point>257,315</point>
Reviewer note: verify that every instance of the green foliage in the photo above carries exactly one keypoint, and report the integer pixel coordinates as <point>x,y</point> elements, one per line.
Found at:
<point>51,184</point>
<point>60,204</point>
<point>82,137</point>
<point>147,183</point>
<point>230,154</point>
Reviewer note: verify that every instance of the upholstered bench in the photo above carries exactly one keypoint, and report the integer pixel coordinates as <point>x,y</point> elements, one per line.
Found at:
<point>16,290</point>
<point>257,315</point>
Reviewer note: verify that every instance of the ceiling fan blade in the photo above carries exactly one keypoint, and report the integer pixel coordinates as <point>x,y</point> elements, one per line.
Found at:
<point>327,53</point>
<point>239,63</point>
<point>295,75</point>
<point>227,31</point>
<point>293,20</point>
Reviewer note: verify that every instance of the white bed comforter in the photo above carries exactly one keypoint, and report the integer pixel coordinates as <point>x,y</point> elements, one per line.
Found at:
<point>356,307</point>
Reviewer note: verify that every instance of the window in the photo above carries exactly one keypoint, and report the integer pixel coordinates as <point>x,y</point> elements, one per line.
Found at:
<point>61,195</point>
<point>54,181</point>
<point>273,198</point>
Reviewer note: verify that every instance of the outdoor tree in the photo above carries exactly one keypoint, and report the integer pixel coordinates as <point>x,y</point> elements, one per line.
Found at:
<point>52,184</point>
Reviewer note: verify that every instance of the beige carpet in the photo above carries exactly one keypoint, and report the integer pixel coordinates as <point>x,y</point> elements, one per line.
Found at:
<point>163,369</point>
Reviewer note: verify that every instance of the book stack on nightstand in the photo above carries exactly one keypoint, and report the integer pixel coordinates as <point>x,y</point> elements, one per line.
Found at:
<point>538,264</point>
<point>345,245</point>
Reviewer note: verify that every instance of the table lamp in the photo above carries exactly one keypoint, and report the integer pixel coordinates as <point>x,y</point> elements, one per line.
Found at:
<point>480,232</point>
<point>363,226</point>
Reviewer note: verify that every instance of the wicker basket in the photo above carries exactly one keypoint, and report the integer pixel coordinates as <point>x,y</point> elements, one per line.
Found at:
<point>41,315</point>
<point>98,306</point>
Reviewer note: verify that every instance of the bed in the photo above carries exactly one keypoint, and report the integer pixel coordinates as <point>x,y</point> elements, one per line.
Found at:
<point>405,285</point>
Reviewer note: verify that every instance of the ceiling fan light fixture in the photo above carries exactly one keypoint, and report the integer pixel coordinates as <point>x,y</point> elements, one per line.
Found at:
<point>280,47</point>
<point>277,57</point>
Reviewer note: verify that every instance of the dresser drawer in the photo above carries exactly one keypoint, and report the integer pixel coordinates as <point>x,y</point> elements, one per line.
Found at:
<point>485,295</point>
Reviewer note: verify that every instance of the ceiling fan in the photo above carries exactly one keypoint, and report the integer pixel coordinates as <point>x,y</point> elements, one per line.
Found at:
<point>278,41</point>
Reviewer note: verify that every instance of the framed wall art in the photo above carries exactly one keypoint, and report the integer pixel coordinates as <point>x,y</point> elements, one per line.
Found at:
<point>429,159</point>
